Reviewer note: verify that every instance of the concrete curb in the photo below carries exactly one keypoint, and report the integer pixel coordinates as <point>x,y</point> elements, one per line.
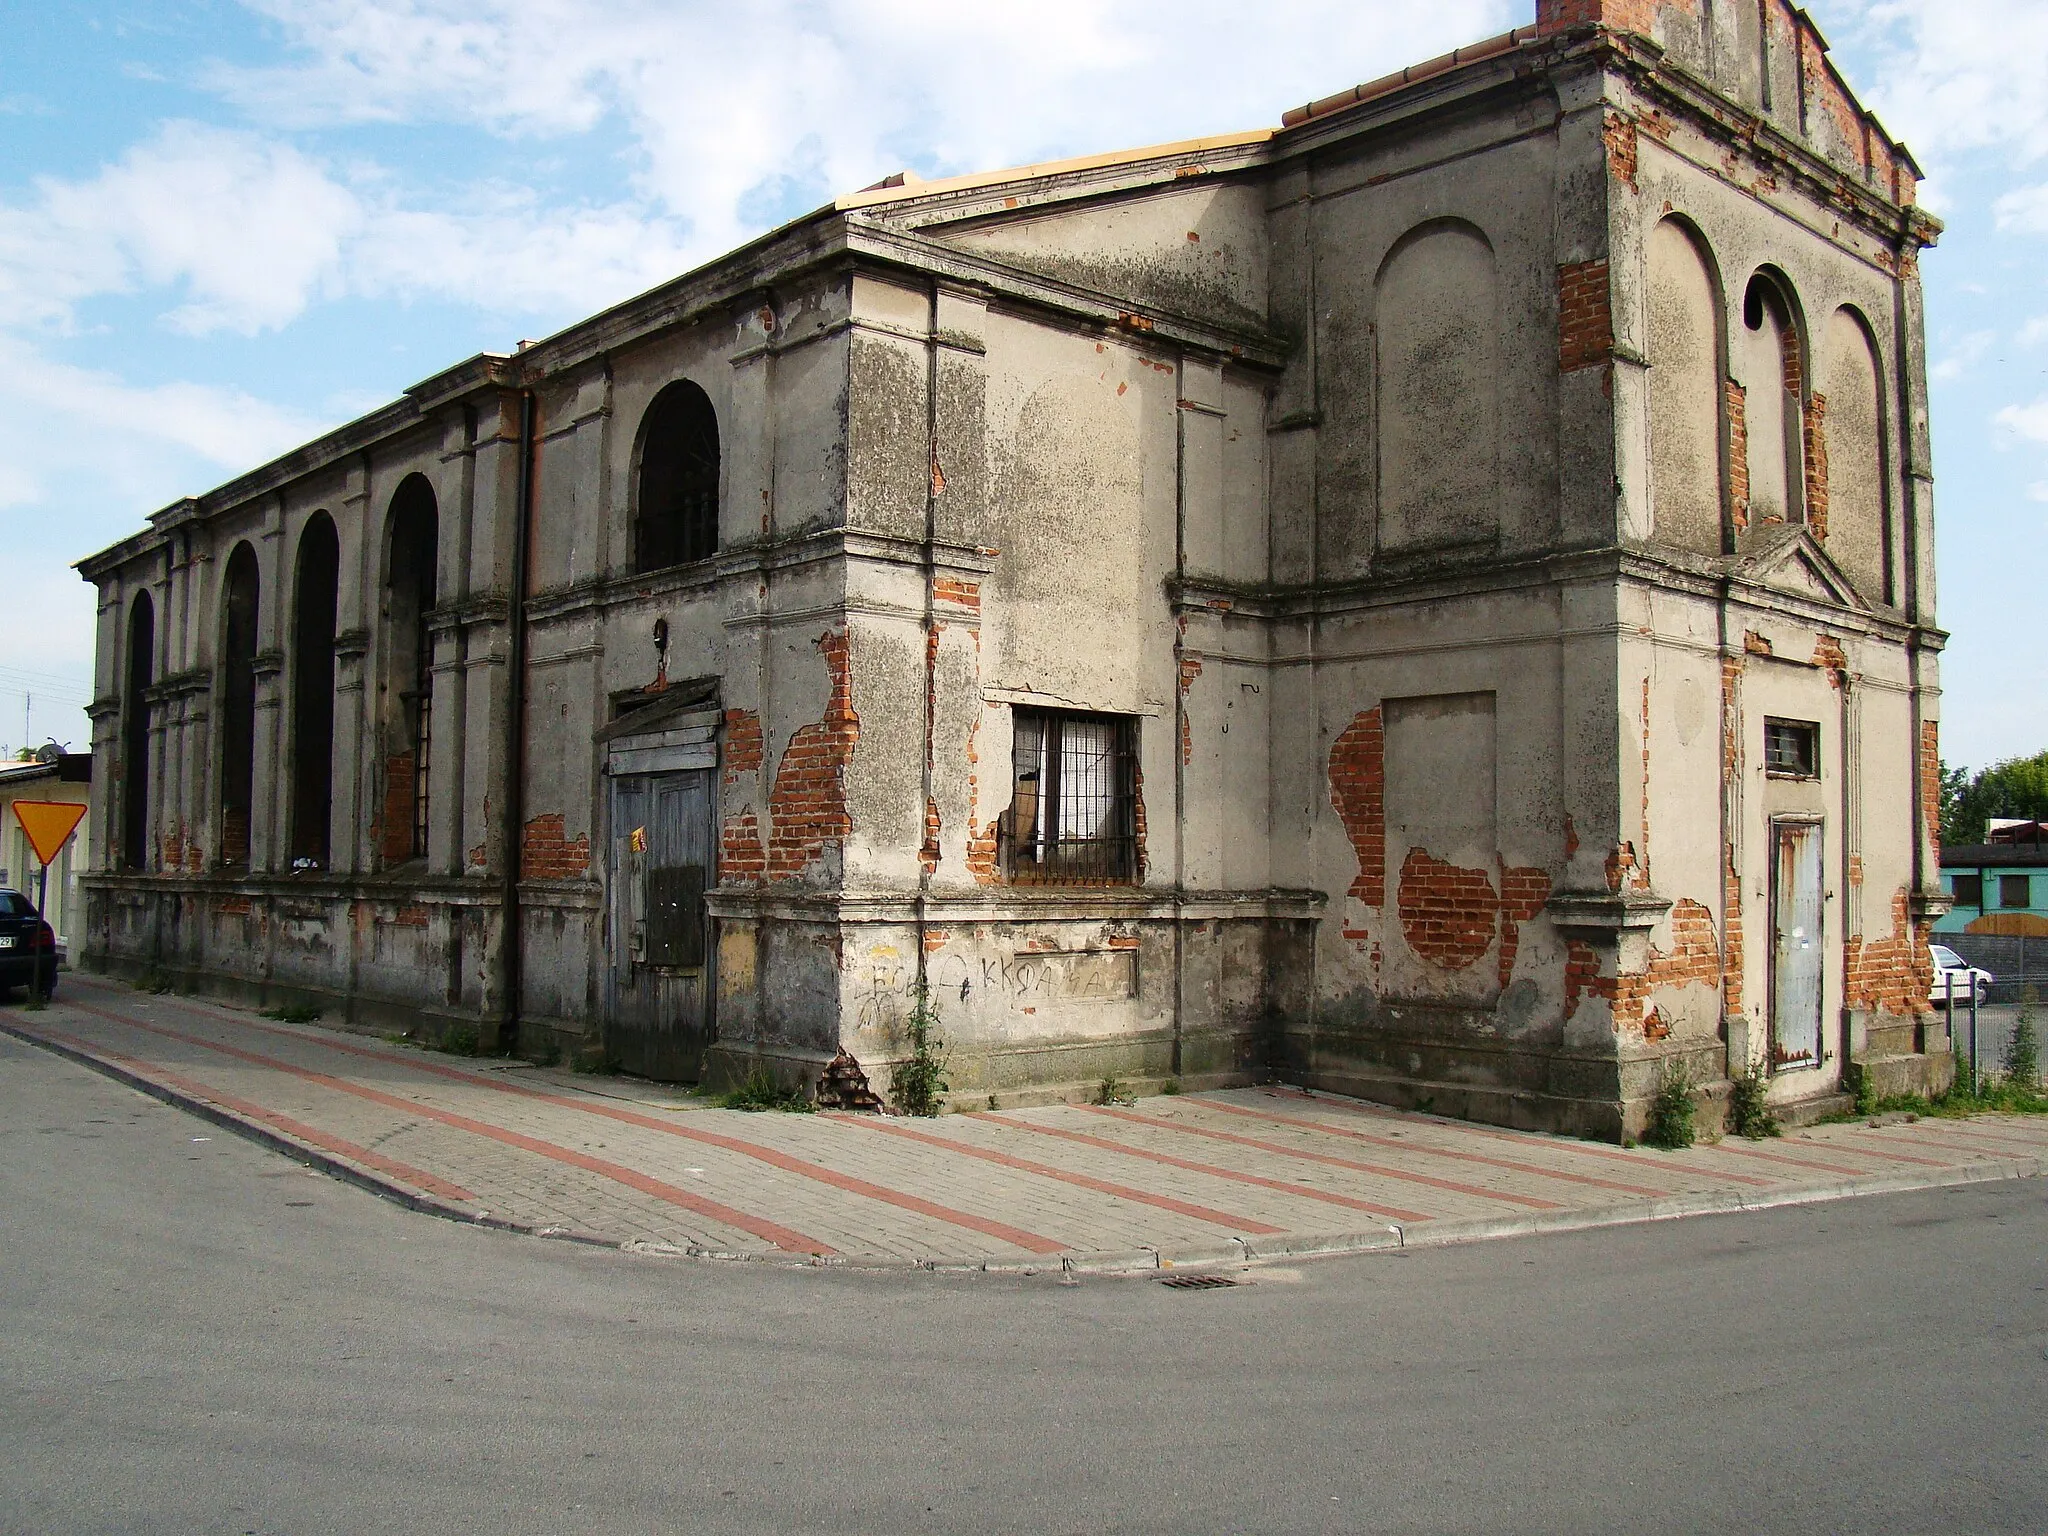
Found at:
<point>1241,1251</point>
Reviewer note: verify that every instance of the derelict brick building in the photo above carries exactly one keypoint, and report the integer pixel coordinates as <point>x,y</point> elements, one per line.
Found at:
<point>1434,600</point>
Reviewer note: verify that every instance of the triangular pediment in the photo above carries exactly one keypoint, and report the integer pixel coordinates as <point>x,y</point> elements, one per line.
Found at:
<point>1793,560</point>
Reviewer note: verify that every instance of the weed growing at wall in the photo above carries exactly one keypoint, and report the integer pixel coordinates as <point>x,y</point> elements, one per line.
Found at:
<point>458,1040</point>
<point>292,1013</point>
<point>154,982</point>
<point>918,1084</point>
<point>761,1091</point>
<point>1111,1090</point>
<point>1670,1123</point>
<point>1860,1084</point>
<point>1748,1113</point>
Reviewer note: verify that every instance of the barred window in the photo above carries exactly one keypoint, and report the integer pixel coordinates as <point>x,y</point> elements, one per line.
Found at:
<point>1792,749</point>
<point>1073,806</point>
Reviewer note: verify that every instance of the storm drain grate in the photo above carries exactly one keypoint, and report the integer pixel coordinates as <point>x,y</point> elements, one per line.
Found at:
<point>1198,1282</point>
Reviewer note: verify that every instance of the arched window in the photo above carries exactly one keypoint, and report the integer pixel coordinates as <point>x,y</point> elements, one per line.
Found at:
<point>135,733</point>
<point>1685,391</point>
<point>676,517</point>
<point>312,663</point>
<point>238,704</point>
<point>1773,377</point>
<point>405,688</point>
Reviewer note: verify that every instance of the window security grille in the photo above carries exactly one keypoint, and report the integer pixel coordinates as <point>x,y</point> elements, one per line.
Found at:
<point>1792,749</point>
<point>1073,807</point>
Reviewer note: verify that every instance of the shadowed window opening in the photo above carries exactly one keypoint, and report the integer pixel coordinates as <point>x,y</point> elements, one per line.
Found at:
<point>677,500</point>
<point>1073,804</point>
<point>312,662</point>
<point>1791,749</point>
<point>406,686</point>
<point>238,705</point>
<point>135,733</point>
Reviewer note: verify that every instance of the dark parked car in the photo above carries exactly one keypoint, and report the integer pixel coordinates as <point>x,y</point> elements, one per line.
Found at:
<point>28,949</point>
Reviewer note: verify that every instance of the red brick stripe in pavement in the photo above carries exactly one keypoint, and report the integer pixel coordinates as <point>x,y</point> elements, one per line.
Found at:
<point>1307,1192</point>
<point>405,1173</point>
<point>1520,1138</point>
<point>1530,1201</point>
<point>785,1238</point>
<point>1030,1242</point>
<point>1424,1147</point>
<point>1977,1131</point>
<point>1222,1219</point>
<point>1809,1162</point>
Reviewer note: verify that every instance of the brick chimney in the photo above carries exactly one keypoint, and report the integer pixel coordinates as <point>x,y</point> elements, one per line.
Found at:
<point>1554,16</point>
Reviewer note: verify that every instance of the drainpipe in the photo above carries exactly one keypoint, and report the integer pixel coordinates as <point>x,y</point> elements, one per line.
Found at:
<point>514,786</point>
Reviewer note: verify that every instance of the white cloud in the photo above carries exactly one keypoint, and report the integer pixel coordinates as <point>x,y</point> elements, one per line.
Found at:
<point>2027,421</point>
<point>2038,491</point>
<point>1966,352</point>
<point>726,101</point>
<point>1954,77</point>
<point>2034,332</point>
<point>2024,209</point>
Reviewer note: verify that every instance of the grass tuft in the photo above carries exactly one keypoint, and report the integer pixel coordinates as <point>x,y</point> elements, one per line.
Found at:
<point>761,1091</point>
<point>1670,1124</point>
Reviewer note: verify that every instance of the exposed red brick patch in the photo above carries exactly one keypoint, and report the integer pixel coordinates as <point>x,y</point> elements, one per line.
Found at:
<point>1738,454</point>
<point>960,594</point>
<point>981,844</point>
<point>1755,644</point>
<point>1830,658</point>
<point>1585,318</point>
<point>1693,960</point>
<point>742,744</point>
<point>548,853</point>
<point>1123,941</point>
<point>1930,776</point>
<point>1816,434</point>
<point>1138,819</point>
<point>1620,15</point>
<point>1855,871</point>
<point>409,917</point>
<point>1523,891</point>
<point>1731,873</point>
<point>394,833</point>
<point>1581,974</point>
<point>928,854</point>
<point>742,860</point>
<point>1190,669</point>
<point>936,939</point>
<point>232,906</point>
<point>476,857</point>
<point>1619,133</point>
<point>1358,792</point>
<point>1447,912</point>
<point>1625,870</point>
<point>807,811</point>
<point>1893,974</point>
<point>1571,839</point>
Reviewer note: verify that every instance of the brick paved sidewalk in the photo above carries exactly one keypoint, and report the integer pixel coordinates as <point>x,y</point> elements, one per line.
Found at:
<point>1213,1177</point>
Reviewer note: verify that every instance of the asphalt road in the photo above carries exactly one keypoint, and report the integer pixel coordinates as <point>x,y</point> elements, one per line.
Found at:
<point>199,1336</point>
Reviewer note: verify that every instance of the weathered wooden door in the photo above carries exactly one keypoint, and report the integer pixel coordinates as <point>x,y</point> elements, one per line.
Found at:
<point>1798,910</point>
<point>662,860</point>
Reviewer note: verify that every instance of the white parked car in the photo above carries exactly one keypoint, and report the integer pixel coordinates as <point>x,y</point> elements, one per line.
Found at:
<point>1955,977</point>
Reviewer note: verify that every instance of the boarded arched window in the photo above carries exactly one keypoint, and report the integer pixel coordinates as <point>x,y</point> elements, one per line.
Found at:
<point>405,687</point>
<point>1685,392</point>
<point>141,672</point>
<point>1773,376</point>
<point>676,518</point>
<point>314,594</point>
<point>1848,404</point>
<point>1437,364</point>
<point>238,704</point>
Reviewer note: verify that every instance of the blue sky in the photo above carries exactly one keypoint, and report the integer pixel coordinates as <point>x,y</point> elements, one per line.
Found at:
<point>226,226</point>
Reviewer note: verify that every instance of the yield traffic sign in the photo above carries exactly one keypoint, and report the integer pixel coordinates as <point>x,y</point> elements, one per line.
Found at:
<point>49,825</point>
